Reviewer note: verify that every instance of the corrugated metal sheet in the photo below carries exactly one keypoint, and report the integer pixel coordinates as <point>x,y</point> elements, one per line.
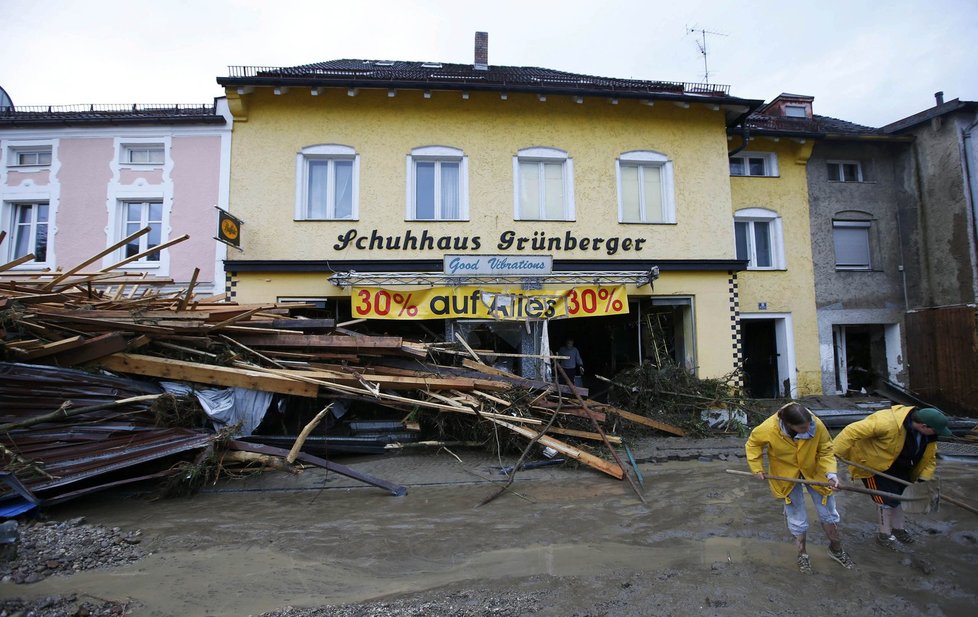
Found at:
<point>942,353</point>
<point>57,460</point>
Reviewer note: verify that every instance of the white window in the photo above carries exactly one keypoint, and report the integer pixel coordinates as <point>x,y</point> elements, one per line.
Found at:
<point>135,216</point>
<point>759,239</point>
<point>29,157</point>
<point>754,164</point>
<point>795,111</point>
<point>143,154</point>
<point>845,171</point>
<point>437,187</point>
<point>29,226</point>
<point>645,188</point>
<point>327,183</point>
<point>852,245</point>
<point>543,188</point>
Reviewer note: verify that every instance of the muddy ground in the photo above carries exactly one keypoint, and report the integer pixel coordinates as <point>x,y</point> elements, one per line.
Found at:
<point>572,542</point>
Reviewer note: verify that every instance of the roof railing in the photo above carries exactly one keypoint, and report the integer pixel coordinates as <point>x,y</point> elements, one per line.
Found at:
<point>113,108</point>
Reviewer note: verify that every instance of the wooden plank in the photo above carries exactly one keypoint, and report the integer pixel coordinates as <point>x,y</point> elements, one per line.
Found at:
<point>570,411</point>
<point>96,257</point>
<point>106,324</point>
<point>583,434</point>
<point>155,249</point>
<point>93,349</point>
<point>485,368</point>
<point>294,324</point>
<point>634,417</point>
<point>190,290</point>
<point>180,370</point>
<point>402,382</point>
<point>332,341</point>
<point>53,348</point>
<point>17,262</point>
<point>566,449</point>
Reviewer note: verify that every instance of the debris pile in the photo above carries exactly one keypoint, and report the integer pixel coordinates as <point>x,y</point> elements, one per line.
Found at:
<point>112,378</point>
<point>672,394</point>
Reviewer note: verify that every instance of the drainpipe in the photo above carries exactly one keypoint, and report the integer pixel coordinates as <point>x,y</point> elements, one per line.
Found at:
<point>971,184</point>
<point>901,268</point>
<point>745,137</point>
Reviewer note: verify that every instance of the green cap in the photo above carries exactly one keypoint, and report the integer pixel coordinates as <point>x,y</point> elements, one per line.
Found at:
<point>934,419</point>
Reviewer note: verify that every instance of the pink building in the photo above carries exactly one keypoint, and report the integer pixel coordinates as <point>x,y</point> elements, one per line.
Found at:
<point>75,180</point>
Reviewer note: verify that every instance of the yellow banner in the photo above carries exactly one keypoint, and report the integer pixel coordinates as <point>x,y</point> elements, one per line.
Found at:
<point>489,302</point>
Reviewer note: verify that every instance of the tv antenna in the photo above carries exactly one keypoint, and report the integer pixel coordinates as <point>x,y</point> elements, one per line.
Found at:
<point>701,43</point>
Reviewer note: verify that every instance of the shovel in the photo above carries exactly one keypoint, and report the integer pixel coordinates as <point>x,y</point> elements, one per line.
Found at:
<point>841,487</point>
<point>935,492</point>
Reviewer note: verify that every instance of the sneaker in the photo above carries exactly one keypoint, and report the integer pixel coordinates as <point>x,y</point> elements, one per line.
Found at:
<point>886,541</point>
<point>903,536</point>
<point>843,558</point>
<point>804,564</point>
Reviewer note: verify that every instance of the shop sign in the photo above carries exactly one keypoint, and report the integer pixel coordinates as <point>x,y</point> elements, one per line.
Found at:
<point>489,302</point>
<point>481,265</point>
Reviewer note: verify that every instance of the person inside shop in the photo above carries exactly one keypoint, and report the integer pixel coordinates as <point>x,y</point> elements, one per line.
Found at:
<point>571,362</point>
<point>900,442</point>
<point>798,445</point>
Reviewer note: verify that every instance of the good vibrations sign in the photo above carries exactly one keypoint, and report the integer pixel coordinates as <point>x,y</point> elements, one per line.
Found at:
<point>489,302</point>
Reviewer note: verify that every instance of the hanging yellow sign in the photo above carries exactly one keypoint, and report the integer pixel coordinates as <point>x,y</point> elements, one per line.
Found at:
<point>489,302</point>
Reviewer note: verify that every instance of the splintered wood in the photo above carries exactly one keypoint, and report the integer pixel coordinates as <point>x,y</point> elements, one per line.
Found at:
<point>137,325</point>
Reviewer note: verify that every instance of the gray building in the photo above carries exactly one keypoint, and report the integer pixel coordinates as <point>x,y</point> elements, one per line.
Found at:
<point>894,247</point>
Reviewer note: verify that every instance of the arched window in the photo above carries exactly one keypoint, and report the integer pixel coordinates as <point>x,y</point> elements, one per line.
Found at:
<point>645,188</point>
<point>438,184</point>
<point>759,238</point>
<point>327,183</point>
<point>543,186</point>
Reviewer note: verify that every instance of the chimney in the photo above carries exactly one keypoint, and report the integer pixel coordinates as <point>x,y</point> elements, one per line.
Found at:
<point>481,51</point>
<point>939,97</point>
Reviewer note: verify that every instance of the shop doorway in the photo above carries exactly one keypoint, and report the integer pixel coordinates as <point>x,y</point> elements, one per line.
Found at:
<point>860,357</point>
<point>657,331</point>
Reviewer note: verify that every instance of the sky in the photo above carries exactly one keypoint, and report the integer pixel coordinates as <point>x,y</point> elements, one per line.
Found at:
<point>866,61</point>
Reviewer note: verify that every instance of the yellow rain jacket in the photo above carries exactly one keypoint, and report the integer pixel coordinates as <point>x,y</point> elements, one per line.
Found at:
<point>811,458</point>
<point>876,442</point>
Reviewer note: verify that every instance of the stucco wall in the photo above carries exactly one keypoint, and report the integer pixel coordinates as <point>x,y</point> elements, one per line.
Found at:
<point>81,215</point>
<point>789,290</point>
<point>490,131</point>
<point>944,221</point>
<point>861,297</point>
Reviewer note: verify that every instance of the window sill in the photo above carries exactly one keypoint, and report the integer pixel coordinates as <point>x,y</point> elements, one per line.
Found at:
<point>647,223</point>
<point>437,220</point>
<point>141,266</point>
<point>325,220</point>
<point>544,220</point>
<point>733,176</point>
<point>853,269</point>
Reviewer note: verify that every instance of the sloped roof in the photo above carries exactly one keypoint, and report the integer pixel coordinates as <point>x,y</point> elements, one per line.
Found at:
<point>353,73</point>
<point>928,114</point>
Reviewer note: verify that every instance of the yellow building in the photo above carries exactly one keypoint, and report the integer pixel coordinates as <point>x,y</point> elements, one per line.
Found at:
<point>514,207</point>
<point>779,326</point>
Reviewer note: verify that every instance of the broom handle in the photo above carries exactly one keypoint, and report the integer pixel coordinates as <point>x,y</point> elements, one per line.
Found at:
<point>841,487</point>
<point>873,471</point>
<point>950,500</point>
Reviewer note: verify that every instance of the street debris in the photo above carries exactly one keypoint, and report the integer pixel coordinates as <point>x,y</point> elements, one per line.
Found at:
<point>111,378</point>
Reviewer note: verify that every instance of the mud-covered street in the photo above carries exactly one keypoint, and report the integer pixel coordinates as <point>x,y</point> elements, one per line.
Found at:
<point>567,542</point>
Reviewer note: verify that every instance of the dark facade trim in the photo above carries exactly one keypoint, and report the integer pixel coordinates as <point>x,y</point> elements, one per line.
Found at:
<point>435,265</point>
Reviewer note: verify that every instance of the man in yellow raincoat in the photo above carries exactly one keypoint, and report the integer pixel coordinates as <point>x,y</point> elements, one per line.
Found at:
<point>798,445</point>
<point>901,442</point>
